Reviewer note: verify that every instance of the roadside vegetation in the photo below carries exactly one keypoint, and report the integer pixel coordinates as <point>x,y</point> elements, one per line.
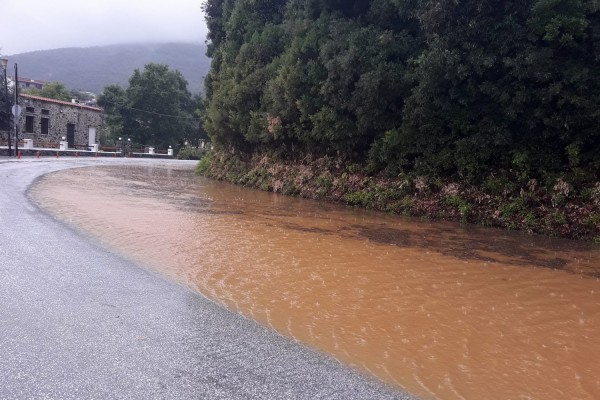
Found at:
<point>555,210</point>
<point>190,153</point>
<point>480,111</point>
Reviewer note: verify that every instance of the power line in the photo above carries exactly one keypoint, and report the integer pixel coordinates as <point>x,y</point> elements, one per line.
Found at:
<point>151,112</point>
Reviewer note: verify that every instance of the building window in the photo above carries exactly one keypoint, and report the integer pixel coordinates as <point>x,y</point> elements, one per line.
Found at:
<point>29,109</point>
<point>45,125</point>
<point>45,112</point>
<point>29,124</point>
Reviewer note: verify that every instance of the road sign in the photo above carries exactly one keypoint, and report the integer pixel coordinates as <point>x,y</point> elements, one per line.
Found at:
<point>16,110</point>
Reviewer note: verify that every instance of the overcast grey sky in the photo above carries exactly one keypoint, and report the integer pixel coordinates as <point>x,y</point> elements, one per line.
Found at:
<point>29,25</point>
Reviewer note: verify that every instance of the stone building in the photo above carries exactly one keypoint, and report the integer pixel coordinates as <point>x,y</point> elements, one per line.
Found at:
<point>47,121</point>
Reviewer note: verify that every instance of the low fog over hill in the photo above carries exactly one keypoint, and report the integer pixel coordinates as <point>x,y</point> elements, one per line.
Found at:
<point>92,68</point>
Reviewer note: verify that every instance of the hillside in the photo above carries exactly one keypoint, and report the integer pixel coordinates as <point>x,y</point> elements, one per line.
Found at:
<point>92,68</point>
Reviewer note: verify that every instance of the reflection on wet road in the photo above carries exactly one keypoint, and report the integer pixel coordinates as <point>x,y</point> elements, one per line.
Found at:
<point>437,308</point>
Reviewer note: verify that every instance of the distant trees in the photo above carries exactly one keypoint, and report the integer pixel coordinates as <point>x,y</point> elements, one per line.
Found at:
<point>58,91</point>
<point>5,104</point>
<point>4,116</point>
<point>52,90</point>
<point>114,102</point>
<point>156,108</point>
<point>454,88</point>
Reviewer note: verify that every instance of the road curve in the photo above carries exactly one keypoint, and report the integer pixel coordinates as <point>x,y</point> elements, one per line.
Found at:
<point>79,322</point>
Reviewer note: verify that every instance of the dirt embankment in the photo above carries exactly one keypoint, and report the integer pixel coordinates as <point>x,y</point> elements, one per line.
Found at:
<point>558,210</point>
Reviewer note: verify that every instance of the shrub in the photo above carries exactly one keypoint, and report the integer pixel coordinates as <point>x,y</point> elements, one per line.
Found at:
<point>204,164</point>
<point>463,207</point>
<point>190,153</point>
<point>359,198</point>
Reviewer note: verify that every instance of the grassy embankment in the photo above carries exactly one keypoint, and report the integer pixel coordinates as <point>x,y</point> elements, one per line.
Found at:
<point>556,209</point>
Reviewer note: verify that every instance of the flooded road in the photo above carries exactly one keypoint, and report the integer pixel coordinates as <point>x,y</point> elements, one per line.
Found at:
<point>441,310</point>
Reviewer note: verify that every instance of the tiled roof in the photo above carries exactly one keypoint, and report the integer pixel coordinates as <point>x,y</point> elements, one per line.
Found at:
<point>65,103</point>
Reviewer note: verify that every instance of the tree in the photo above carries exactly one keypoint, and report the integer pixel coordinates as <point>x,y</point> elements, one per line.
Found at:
<point>450,88</point>
<point>503,85</point>
<point>198,133</point>
<point>6,102</point>
<point>5,105</point>
<point>325,76</point>
<point>52,90</point>
<point>113,100</point>
<point>155,109</point>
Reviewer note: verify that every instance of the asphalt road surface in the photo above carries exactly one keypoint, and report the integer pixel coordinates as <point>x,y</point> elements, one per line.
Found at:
<point>79,322</point>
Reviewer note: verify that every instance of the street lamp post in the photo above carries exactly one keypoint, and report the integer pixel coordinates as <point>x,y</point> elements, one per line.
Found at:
<point>4,62</point>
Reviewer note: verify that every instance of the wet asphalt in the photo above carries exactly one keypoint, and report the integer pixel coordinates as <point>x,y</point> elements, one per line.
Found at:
<point>80,322</point>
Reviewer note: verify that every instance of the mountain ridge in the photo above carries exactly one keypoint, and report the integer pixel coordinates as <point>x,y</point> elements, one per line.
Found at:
<point>92,68</point>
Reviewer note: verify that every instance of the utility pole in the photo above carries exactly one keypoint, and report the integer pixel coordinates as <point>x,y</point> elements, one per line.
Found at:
<point>17,106</point>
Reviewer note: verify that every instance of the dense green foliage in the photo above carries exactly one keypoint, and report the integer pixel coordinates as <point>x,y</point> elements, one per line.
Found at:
<point>6,102</point>
<point>463,89</point>
<point>114,102</point>
<point>156,108</point>
<point>6,99</point>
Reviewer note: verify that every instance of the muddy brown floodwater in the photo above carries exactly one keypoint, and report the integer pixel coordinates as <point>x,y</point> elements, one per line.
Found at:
<point>442,310</point>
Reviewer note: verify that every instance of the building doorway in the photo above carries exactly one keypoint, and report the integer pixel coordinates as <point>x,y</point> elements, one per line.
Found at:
<point>71,135</point>
<point>92,136</point>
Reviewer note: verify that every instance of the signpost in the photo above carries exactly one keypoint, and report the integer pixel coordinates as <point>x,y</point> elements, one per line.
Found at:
<point>16,110</point>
